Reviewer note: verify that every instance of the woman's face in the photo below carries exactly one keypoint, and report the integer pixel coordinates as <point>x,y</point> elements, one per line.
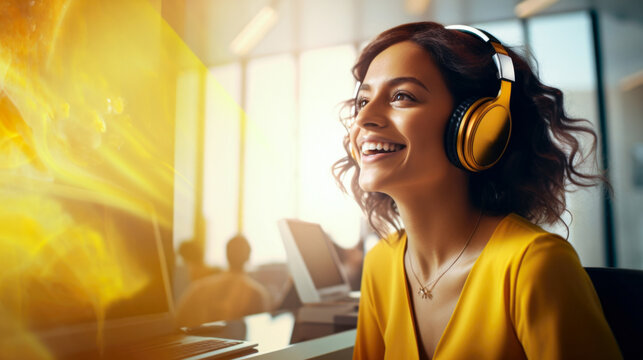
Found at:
<point>398,135</point>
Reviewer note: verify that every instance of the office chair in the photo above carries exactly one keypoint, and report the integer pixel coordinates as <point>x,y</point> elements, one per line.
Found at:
<point>621,294</point>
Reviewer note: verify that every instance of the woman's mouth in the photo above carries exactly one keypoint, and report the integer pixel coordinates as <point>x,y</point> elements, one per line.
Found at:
<point>375,150</point>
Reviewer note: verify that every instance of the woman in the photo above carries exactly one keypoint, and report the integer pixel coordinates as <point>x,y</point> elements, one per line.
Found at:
<point>470,276</point>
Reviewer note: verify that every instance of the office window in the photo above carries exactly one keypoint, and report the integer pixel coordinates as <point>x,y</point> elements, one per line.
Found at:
<point>623,80</point>
<point>221,160</point>
<point>187,86</point>
<point>293,136</point>
<point>271,148</point>
<point>325,83</point>
<point>563,47</point>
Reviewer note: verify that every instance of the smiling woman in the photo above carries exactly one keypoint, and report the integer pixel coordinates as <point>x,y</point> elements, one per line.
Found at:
<point>459,149</point>
<point>416,113</point>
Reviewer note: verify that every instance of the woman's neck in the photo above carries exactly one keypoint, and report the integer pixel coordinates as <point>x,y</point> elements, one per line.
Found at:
<point>438,225</point>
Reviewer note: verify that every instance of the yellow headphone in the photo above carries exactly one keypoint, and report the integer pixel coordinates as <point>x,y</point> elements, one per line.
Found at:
<point>478,131</point>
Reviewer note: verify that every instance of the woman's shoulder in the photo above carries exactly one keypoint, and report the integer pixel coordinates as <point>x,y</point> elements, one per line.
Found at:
<point>519,241</point>
<point>388,251</point>
<point>518,225</point>
<point>383,266</point>
<point>514,231</point>
<point>388,246</point>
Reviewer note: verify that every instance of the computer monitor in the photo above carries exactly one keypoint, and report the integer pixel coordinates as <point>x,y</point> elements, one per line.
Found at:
<point>313,262</point>
<point>134,249</point>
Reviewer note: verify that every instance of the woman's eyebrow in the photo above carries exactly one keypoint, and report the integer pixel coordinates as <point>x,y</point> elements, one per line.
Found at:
<point>364,87</point>
<point>405,79</point>
<point>397,81</point>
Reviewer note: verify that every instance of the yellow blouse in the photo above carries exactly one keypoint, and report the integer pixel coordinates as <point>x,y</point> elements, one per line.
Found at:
<point>527,296</point>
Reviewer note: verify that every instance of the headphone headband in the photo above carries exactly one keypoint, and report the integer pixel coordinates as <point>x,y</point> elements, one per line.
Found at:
<point>500,57</point>
<point>485,36</point>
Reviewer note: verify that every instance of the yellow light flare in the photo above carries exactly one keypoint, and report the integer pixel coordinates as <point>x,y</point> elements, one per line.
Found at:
<point>87,129</point>
<point>60,269</point>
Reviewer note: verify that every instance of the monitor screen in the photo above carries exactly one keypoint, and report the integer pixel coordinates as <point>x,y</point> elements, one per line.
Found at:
<point>108,269</point>
<point>315,248</point>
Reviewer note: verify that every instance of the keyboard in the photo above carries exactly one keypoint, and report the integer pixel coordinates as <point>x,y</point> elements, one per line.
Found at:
<point>184,350</point>
<point>179,350</point>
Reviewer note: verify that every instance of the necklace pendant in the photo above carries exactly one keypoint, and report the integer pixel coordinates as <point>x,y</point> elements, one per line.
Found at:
<point>425,293</point>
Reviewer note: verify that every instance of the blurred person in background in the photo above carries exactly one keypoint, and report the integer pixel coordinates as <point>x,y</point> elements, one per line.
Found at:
<point>192,253</point>
<point>225,296</point>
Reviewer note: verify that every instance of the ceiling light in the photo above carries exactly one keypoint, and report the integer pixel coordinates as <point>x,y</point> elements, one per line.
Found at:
<point>632,81</point>
<point>528,8</point>
<point>254,31</point>
<point>416,7</point>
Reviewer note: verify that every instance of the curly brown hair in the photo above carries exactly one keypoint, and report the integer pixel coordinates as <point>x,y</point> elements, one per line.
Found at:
<point>542,159</point>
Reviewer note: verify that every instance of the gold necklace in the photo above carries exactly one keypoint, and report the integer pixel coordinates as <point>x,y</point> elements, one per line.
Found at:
<point>426,291</point>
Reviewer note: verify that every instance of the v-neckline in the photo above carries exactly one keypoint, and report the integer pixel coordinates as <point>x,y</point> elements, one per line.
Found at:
<point>457,305</point>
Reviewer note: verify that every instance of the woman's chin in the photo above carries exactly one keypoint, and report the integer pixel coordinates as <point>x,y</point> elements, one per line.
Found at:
<point>369,184</point>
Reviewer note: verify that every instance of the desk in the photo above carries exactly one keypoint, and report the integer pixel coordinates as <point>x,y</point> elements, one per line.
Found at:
<point>280,337</point>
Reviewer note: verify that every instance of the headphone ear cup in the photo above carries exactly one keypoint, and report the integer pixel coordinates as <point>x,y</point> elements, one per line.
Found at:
<point>452,129</point>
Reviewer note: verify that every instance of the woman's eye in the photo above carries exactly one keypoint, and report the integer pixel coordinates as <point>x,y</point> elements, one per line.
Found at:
<point>360,103</point>
<point>402,97</point>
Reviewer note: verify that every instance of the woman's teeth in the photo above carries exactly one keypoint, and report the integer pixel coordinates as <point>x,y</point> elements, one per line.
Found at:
<point>370,148</point>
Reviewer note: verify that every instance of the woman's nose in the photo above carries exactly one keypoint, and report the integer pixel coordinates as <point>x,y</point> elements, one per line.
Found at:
<point>371,115</point>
